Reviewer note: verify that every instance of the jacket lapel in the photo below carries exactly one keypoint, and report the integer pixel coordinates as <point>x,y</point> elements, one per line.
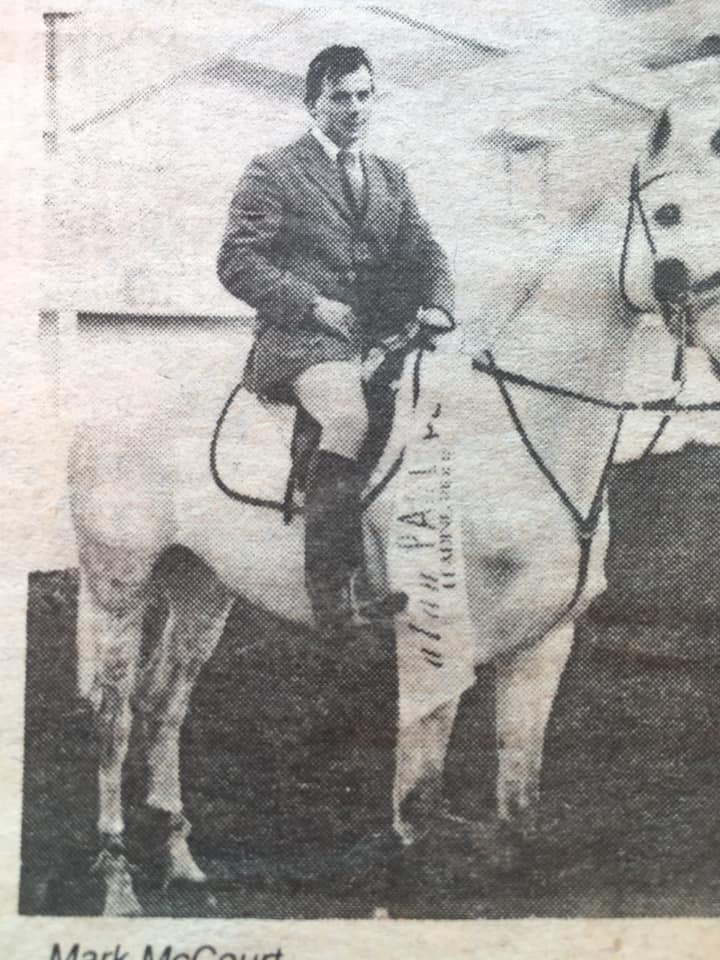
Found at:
<point>323,174</point>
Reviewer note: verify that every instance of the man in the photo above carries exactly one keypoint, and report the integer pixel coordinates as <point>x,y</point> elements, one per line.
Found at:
<point>326,242</point>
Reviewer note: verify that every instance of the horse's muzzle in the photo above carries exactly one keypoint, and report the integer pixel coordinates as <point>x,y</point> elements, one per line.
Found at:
<point>671,282</point>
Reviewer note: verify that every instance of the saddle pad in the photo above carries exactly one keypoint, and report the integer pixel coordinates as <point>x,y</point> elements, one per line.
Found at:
<point>255,442</point>
<point>253,448</point>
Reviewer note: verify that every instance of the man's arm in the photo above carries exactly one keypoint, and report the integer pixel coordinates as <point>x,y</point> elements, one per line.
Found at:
<point>423,257</point>
<point>246,264</point>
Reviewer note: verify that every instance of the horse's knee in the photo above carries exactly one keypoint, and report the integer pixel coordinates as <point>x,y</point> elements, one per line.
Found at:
<point>113,600</point>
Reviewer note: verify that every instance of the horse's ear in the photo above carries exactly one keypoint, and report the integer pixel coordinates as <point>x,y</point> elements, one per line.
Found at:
<point>715,142</point>
<point>660,136</point>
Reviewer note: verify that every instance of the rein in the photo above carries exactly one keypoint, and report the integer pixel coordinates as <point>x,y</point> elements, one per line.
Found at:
<point>665,405</point>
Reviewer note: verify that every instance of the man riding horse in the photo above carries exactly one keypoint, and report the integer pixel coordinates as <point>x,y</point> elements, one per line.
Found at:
<point>326,242</point>
<point>532,426</point>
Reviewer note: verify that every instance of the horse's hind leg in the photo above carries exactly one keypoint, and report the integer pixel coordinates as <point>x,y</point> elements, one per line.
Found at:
<point>113,595</point>
<point>527,681</point>
<point>198,608</point>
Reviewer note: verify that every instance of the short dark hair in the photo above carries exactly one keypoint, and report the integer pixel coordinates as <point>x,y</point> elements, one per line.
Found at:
<point>331,64</point>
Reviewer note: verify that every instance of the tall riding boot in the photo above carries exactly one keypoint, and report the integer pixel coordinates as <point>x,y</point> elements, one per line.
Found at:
<point>333,536</point>
<point>350,747</point>
<point>334,554</point>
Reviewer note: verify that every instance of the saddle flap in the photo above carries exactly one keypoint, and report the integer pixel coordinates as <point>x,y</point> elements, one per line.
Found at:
<point>259,445</point>
<point>253,452</point>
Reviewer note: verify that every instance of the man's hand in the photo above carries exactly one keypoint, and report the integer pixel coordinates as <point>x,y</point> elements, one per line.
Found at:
<point>335,316</point>
<point>436,319</point>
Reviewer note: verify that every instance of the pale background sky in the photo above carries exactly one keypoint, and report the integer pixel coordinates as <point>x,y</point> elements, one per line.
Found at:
<point>152,140</point>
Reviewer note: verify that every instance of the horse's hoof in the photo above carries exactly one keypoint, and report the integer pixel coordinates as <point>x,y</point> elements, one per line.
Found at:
<point>407,833</point>
<point>188,897</point>
<point>518,801</point>
<point>181,865</point>
<point>120,899</point>
<point>527,827</point>
<point>488,840</point>
<point>121,903</point>
<point>189,876</point>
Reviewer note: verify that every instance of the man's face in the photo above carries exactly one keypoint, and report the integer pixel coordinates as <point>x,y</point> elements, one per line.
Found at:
<point>343,108</point>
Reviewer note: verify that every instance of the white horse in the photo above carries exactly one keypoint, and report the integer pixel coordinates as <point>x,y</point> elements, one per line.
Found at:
<point>534,528</point>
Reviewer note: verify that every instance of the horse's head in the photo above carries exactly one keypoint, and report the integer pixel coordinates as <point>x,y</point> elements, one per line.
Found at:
<point>671,261</point>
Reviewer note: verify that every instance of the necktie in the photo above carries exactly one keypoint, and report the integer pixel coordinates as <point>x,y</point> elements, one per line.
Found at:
<point>353,177</point>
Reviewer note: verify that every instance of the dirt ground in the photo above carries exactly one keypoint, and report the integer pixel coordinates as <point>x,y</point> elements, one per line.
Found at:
<point>291,816</point>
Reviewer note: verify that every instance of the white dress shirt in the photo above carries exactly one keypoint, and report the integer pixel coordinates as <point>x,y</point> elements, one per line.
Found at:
<point>330,147</point>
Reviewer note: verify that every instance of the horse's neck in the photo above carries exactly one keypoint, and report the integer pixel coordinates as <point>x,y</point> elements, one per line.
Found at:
<point>573,330</point>
<point>573,334</point>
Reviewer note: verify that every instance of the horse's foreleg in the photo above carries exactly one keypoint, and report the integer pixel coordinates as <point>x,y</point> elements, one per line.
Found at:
<point>419,764</point>
<point>90,626</point>
<point>527,681</point>
<point>197,615</point>
<point>109,632</point>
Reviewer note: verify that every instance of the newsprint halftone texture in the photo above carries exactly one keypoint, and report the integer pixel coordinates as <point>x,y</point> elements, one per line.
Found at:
<point>383,574</point>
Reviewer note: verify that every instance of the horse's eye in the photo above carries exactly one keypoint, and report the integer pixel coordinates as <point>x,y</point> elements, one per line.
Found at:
<point>668,215</point>
<point>715,142</point>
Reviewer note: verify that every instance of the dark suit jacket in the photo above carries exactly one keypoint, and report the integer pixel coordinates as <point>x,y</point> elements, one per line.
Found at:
<point>292,234</point>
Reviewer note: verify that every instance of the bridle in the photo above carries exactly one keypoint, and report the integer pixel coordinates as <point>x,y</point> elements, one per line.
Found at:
<point>682,310</point>
<point>586,524</point>
<point>678,308</point>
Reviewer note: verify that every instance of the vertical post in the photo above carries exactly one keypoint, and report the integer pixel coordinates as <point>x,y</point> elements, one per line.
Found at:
<point>57,325</point>
<point>49,323</point>
<point>52,323</point>
<point>57,328</point>
<point>51,134</point>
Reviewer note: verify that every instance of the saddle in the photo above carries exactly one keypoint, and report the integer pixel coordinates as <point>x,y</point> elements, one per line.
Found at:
<point>261,449</point>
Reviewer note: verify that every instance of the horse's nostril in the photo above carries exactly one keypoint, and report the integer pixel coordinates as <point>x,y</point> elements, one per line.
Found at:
<point>672,279</point>
<point>715,142</point>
